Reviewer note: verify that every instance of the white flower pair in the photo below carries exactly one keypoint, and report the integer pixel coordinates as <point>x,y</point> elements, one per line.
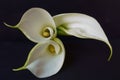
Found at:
<point>47,57</point>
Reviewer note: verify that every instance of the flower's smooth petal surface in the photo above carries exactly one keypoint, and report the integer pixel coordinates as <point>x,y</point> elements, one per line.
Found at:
<point>33,23</point>
<point>81,26</point>
<point>42,63</point>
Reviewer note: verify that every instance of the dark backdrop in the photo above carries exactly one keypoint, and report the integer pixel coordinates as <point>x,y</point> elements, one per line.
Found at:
<point>85,59</point>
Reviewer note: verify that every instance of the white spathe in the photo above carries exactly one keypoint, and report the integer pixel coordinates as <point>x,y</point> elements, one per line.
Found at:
<point>41,62</point>
<point>81,26</point>
<point>33,22</point>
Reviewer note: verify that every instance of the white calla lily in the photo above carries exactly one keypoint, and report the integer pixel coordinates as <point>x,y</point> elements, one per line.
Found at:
<point>45,59</point>
<point>81,26</point>
<point>37,25</point>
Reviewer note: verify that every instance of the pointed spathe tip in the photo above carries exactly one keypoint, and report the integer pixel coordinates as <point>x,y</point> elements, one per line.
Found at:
<point>19,69</point>
<point>9,25</point>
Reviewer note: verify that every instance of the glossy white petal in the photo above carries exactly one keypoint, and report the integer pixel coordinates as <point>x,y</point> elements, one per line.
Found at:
<point>81,26</point>
<point>41,62</point>
<point>34,23</point>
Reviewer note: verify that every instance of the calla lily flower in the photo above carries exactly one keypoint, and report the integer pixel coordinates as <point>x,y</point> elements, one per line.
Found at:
<point>37,25</point>
<point>81,26</point>
<point>47,57</point>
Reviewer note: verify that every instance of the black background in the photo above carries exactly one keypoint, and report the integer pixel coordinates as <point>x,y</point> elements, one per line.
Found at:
<point>85,59</point>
